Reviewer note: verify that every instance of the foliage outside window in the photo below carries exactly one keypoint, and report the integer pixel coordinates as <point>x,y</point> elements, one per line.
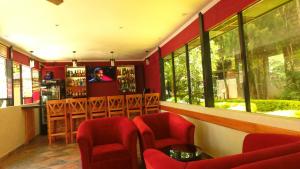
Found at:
<point>273,43</point>
<point>181,76</point>
<point>227,67</point>
<point>196,72</point>
<point>169,86</point>
<point>3,83</point>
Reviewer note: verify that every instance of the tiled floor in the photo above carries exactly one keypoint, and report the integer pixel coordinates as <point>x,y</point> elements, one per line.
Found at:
<point>38,155</point>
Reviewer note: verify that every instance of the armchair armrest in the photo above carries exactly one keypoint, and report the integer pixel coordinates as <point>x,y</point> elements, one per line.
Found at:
<point>146,134</point>
<point>128,133</point>
<point>128,136</point>
<point>256,141</point>
<point>181,129</point>
<point>155,159</point>
<point>290,161</point>
<point>85,142</point>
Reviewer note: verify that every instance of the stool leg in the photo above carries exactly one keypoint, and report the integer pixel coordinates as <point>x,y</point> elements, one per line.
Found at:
<point>66,130</point>
<point>49,132</point>
<point>71,129</point>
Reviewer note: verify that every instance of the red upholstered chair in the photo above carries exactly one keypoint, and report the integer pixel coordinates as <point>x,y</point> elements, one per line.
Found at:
<point>262,149</point>
<point>163,129</point>
<point>108,143</point>
<point>291,161</point>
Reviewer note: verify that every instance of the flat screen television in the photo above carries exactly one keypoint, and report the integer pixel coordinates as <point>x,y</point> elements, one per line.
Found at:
<point>101,74</point>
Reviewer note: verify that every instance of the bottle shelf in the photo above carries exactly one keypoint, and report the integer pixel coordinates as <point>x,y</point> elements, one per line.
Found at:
<point>76,85</point>
<point>126,79</point>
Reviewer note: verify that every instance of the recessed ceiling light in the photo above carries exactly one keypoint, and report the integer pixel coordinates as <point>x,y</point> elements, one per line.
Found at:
<point>184,14</point>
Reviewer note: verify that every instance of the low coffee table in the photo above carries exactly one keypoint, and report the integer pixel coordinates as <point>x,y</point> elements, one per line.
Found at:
<point>185,152</point>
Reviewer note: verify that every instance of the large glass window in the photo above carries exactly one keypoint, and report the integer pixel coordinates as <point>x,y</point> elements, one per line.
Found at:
<point>26,84</point>
<point>17,84</point>
<point>181,76</point>
<point>226,66</point>
<point>169,86</point>
<point>196,72</point>
<point>35,86</point>
<point>3,83</point>
<point>273,44</point>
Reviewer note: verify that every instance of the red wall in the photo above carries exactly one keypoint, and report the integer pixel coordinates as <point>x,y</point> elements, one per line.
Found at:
<point>99,89</point>
<point>152,73</point>
<point>214,16</point>
<point>223,10</point>
<point>24,59</point>
<point>20,58</point>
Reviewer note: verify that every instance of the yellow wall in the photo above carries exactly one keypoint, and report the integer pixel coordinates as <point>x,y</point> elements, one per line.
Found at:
<point>12,128</point>
<point>219,141</point>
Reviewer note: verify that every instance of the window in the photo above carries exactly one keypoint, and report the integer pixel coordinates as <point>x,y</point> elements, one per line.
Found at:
<point>17,84</point>
<point>169,86</point>
<point>3,83</point>
<point>26,84</point>
<point>226,66</point>
<point>182,95</point>
<point>35,86</point>
<point>196,72</point>
<point>273,44</point>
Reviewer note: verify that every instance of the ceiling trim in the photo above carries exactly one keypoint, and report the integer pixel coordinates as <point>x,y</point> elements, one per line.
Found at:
<point>192,19</point>
<point>19,49</point>
<point>69,61</point>
<point>151,53</point>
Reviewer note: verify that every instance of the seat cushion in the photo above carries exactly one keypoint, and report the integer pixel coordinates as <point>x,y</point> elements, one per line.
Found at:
<point>109,152</point>
<point>159,144</point>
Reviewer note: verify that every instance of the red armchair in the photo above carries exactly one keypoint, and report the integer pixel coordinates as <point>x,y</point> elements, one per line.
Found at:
<point>256,148</point>
<point>108,143</point>
<point>290,161</point>
<point>163,129</point>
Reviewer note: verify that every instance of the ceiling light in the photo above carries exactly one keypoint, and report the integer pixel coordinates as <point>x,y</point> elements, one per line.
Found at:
<point>112,60</point>
<point>31,62</point>
<point>56,2</point>
<point>147,60</point>
<point>74,61</point>
<point>184,14</point>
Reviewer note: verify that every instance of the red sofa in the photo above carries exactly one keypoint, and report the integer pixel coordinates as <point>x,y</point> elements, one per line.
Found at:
<point>259,150</point>
<point>163,129</point>
<point>108,143</point>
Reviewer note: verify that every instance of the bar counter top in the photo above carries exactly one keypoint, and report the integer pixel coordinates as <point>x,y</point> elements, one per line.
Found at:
<point>32,105</point>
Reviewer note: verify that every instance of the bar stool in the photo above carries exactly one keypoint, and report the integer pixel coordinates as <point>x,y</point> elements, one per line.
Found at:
<point>151,102</point>
<point>77,108</point>
<point>97,107</point>
<point>56,112</point>
<point>115,105</point>
<point>134,104</point>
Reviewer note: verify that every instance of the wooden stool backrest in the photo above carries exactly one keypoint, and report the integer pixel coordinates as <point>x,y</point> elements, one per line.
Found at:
<point>151,99</point>
<point>97,104</point>
<point>77,106</point>
<point>115,102</point>
<point>56,108</point>
<point>134,101</point>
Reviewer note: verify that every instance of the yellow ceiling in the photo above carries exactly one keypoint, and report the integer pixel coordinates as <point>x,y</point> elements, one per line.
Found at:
<point>93,28</point>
